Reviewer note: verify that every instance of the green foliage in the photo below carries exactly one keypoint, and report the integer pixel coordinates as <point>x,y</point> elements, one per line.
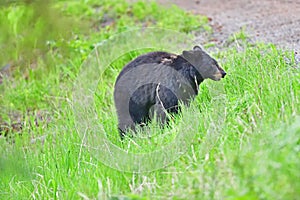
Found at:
<point>26,30</point>
<point>56,36</point>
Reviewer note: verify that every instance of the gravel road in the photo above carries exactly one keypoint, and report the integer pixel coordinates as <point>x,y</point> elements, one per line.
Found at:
<point>275,21</point>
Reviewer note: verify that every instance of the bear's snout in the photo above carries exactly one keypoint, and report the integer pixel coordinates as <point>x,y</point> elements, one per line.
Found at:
<point>223,74</point>
<point>219,75</point>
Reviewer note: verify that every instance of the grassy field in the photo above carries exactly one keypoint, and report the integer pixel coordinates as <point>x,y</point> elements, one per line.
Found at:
<point>245,129</point>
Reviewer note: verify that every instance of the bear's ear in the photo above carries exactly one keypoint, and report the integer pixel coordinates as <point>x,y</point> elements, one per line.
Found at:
<point>187,55</point>
<point>197,48</point>
<point>191,56</point>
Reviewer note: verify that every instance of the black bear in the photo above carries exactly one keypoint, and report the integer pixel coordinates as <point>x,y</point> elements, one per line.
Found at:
<point>155,82</point>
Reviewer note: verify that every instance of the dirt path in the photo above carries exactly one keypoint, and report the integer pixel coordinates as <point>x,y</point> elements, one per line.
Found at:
<point>276,21</point>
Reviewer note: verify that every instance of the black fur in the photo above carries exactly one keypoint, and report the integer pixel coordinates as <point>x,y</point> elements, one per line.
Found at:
<point>155,83</point>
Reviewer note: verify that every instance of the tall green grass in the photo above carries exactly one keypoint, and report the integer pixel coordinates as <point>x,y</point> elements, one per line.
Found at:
<point>246,127</point>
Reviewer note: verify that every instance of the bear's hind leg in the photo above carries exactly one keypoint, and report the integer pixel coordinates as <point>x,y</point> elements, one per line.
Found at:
<point>159,112</point>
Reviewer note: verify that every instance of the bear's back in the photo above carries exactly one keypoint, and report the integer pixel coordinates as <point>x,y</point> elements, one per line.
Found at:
<point>152,57</point>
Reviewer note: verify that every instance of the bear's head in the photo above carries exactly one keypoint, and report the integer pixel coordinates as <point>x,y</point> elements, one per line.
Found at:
<point>204,64</point>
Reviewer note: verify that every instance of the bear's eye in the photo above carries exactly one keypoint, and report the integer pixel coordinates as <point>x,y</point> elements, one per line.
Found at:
<point>215,63</point>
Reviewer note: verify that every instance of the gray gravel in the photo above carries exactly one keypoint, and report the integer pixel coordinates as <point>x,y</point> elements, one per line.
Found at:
<point>274,21</point>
